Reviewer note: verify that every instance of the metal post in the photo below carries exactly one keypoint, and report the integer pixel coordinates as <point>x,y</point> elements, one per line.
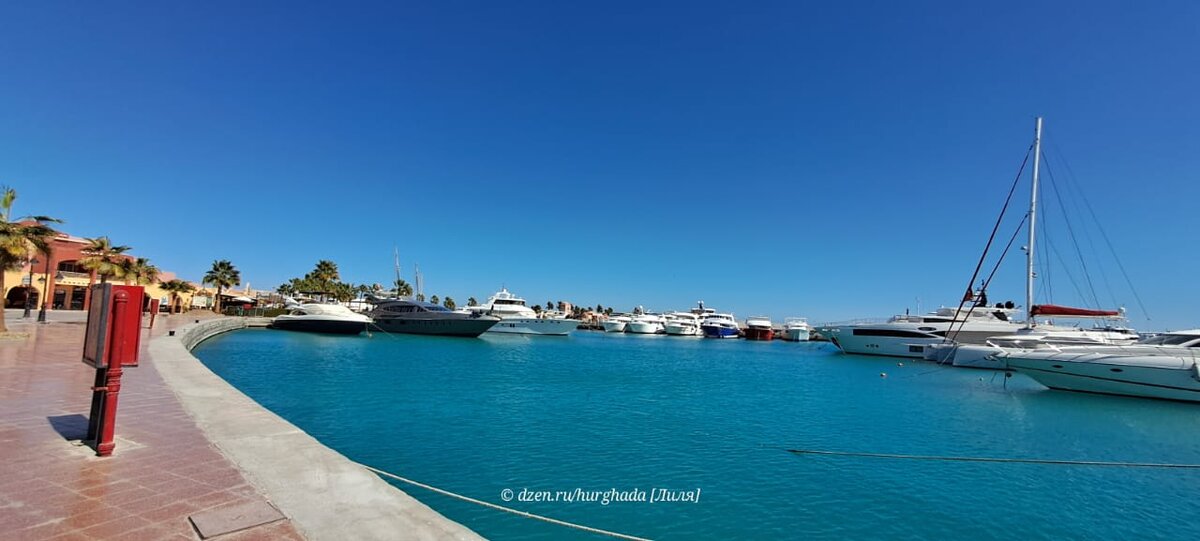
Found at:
<point>29,290</point>
<point>45,293</point>
<point>1037,160</point>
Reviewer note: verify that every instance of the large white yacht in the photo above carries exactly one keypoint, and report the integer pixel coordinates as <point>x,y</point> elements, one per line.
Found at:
<point>645,324</point>
<point>983,355</point>
<point>616,323</point>
<point>796,329</point>
<point>1166,366</point>
<point>717,325</point>
<point>320,318</point>
<point>682,324</point>
<point>517,318</point>
<point>908,336</point>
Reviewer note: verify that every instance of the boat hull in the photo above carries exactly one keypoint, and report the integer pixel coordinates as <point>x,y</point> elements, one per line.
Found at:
<point>796,335</point>
<point>1119,377</point>
<point>544,327</point>
<point>465,327</point>
<point>639,327</point>
<point>322,326</point>
<point>712,331</point>
<point>681,330</point>
<point>869,344</point>
<point>756,333</point>
<point>614,326</point>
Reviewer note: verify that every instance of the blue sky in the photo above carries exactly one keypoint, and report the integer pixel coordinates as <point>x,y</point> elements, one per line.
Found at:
<point>834,160</point>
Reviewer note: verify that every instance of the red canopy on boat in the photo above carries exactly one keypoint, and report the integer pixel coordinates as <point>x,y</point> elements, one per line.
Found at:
<point>1055,310</point>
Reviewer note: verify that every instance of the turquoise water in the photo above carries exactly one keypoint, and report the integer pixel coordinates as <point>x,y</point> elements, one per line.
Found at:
<point>599,411</point>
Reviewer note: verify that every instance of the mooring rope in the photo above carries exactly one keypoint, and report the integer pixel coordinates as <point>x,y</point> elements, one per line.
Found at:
<point>502,508</point>
<point>994,459</point>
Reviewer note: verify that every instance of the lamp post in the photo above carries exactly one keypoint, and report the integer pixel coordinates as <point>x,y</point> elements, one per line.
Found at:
<point>29,290</point>
<point>45,293</point>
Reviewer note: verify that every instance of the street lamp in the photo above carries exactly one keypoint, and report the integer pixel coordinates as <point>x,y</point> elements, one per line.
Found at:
<point>29,289</point>
<point>45,293</point>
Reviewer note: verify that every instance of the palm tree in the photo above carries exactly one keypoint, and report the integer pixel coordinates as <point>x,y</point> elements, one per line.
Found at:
<point>421,297</point>
<point>19,239</point>
<point>325,276</point>
<point>101,258</point>
<point>449,303</point>
<point>138,271</point>
<point>403,289</point>
<point>222,275</point>
<point>472,302</point>
<point>175,288</point>
<point>434,299</point>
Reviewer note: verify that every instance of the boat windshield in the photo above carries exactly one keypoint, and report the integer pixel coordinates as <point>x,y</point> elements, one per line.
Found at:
<point>1170,340</point>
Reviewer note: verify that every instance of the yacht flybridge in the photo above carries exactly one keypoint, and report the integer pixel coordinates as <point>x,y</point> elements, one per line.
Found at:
<point>517,318</point>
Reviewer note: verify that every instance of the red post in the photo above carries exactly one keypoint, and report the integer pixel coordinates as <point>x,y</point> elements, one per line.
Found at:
<point>112,383</point>
<point>153,311</point>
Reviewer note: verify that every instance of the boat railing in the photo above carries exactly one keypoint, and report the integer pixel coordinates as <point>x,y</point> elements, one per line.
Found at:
<point>858,321</point>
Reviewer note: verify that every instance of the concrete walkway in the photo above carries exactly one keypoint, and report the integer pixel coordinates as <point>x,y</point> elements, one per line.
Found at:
<point>194,456</point>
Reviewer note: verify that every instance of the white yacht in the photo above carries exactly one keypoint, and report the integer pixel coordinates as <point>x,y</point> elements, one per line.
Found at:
<point>320,318</point>
<point>796,329</point>
<point>908,336</point>
<point>983,355</point>
<point>716,325</point>
<point>616,323</point>
<point>682,324</point>
<point>1166,366</point>
<point>517,318</point>
<point>645,324</point>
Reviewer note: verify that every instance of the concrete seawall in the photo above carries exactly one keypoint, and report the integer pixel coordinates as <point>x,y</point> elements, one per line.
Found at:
<point>325,494</point>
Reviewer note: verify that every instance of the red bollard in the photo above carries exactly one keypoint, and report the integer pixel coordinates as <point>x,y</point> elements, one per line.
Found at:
<point>153,311</point>
<point>111,343</point>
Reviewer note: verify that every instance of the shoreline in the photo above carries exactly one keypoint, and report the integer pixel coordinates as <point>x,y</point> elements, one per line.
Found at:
<point>325,494</point>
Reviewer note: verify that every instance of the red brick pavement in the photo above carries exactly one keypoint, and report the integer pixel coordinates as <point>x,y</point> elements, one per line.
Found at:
<point>162,471</point>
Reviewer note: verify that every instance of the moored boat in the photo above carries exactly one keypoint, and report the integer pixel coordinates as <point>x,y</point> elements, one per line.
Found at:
<point>645,324</point>
<point>759,328</point>
<point>717,325</point>
<point>796,329</point>
<point>320,318</point>
<point>615,323</point>
<point>518,318</point>
<point>416,317</point>
<point>1166,366</point>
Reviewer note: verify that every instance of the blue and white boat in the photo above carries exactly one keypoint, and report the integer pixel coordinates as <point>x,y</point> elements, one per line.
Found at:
<point>719,326</point>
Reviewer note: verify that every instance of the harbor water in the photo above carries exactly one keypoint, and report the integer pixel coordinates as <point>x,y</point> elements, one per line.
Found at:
<point>561,417</point>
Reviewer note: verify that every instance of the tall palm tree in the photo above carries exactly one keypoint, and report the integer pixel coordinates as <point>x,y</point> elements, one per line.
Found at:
<point>222,275</point>
<point>138,271</point>
<point>20,239</point>
<point>100,258</point>
<point>403,289</point>
<point>175,288</point>
<point>449,303</point>
<point>472,302</point>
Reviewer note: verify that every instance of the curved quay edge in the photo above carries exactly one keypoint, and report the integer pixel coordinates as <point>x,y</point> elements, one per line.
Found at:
<point>325,494</point>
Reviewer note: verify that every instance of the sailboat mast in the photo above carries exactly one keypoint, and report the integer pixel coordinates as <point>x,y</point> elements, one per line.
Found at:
<point>396,254</point>
<point>1033,193</point>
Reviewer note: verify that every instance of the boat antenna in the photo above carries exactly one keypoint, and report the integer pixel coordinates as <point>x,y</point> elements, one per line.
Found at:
<point>1033,193</point>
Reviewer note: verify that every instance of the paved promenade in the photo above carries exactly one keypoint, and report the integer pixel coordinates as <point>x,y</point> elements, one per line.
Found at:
<point>164,469</point>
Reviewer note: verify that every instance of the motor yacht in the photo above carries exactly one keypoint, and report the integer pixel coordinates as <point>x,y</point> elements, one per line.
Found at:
<point>320,318</point>
<point>796,329</point>
<point>908,336</point>
<point>682,324</point>
<point>616,323</point>
<point>1166,366</point>
<point>416,317</point>
<point>518,318</point>
<point>983,355</point>
<point>759,328</point>
<point>645,324</point>
<point>717,325</point>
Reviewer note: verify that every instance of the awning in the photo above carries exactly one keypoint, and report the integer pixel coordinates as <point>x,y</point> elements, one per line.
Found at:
<point>241,299</point>
<point>1067,311</point>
